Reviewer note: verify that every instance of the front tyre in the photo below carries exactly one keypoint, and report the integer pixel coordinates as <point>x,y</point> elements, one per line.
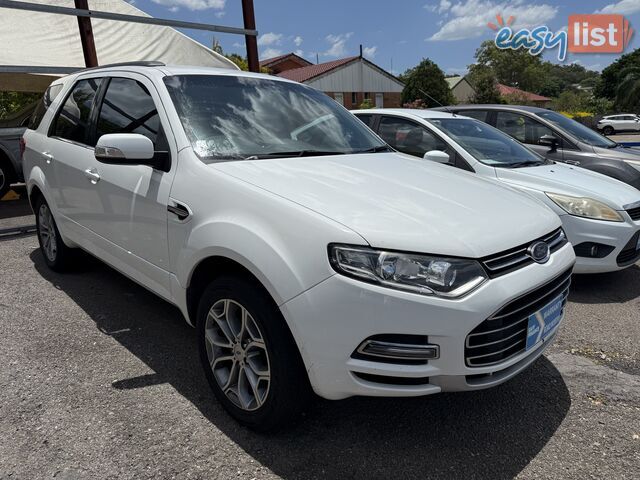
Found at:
<point>248,354</point>
<point>608,130</point>
<point>57,255</point>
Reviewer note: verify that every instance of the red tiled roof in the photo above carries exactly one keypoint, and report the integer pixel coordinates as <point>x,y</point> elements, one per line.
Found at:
<point>506,90</point>
<point>303,74</point>
<point>268,61</point>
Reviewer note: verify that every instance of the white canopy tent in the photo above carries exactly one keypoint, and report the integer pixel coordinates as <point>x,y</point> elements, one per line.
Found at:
<point>52,40</point>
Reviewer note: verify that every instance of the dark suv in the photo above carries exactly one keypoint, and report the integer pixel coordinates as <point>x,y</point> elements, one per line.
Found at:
<point>559,138</point>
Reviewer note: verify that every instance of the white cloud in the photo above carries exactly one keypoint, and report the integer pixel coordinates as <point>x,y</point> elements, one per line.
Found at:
<point>238,45</point>
<point>298,41</point>
<point>270,39</point>
<point>338,43</point>
<point>456,71</point>
<point>623,7</point>
<point>442,7</point>
<point>469,19</point>
<point>300,53</point>
<point>192,4</point>
<point>174,9</point>
<point>270,53</point>
<point>369,52</point>
<point>220,14</point>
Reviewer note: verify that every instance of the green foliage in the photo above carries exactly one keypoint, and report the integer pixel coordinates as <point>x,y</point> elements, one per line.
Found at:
<point>484,82</point>
<point>426,77</point>
<point>612,76</point>
<point>366,103</point>
<point>13,102</point>
<point>628,90</point>
<point>242,62</point>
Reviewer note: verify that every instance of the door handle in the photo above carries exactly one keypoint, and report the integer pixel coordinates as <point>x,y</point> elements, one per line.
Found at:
<point>48,158</point>
<point>93,175</point>
<point>572,162</point>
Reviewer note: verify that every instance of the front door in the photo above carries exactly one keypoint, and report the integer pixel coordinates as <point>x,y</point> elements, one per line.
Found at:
<point>379,100</point>
<point>529,132</point>
<point>131,211</point>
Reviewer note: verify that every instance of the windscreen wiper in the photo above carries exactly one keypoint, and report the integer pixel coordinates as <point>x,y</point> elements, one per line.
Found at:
<point>379,148</point>
<point>293,153</point>
<point>522,164</point>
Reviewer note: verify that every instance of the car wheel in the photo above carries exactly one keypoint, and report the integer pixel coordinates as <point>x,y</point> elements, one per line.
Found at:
<point>608,130</point>
<point>248,354</point>
<point>56,254</point>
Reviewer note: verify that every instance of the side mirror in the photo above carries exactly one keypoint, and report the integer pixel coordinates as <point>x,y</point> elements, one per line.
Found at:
<point>549,141</point>
<point>437,156</point>
<point>125,149</point>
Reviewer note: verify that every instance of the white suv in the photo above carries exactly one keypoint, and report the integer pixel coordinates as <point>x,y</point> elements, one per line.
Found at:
<point>619,123</point>
<point>304,252</point>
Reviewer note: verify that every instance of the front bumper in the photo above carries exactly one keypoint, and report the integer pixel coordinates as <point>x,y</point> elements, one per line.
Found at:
<point>618,236</point>
<point>331,319</point>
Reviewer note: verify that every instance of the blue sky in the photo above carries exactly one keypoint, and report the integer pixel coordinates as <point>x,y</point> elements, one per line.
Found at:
<point>395,34</point>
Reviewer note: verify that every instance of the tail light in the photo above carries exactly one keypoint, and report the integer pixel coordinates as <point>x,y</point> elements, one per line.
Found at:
<point>23,147</point>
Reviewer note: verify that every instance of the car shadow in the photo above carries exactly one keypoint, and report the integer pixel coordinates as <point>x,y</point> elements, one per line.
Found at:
<point>488,434</point>
<point>614,287</point>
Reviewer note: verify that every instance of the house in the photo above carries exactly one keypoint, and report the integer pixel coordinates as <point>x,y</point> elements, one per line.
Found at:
<point>462,90</point>
<point>522,96</point>
<point>349,81</point>
<point>281,63</point>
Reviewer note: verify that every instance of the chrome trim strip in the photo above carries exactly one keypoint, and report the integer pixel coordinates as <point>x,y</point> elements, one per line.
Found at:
<point>561,287</point>
<point>399,351</point>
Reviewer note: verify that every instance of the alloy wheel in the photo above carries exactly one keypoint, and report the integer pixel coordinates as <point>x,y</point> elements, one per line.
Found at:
<point>237,354</point>
<point>3,178</point>
<point>47,232</point>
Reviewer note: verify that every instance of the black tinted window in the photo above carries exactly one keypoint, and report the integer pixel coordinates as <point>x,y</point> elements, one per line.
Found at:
<point>409,137</point>
<point>72,122</point>
<point>49,96</point>
<point>477,114</point>
<point>128,108</point>
<point>366,119</point>
<point>522,127</point>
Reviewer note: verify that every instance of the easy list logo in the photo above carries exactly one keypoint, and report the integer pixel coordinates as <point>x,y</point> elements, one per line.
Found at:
<point>594,33</point>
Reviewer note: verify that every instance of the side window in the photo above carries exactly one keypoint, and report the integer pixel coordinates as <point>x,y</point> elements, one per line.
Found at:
<point>128,108</point>
<point>49,96</point>
<point>366,119</point>
<point>522,128</point>
<point>409,137</point>
<point>72,122</point>
<point>477,114</point>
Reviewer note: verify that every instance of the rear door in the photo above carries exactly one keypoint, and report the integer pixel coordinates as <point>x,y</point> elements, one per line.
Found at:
<point>131,200</point>
<point>68,155</point>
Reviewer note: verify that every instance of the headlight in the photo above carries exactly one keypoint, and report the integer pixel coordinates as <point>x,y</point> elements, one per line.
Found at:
<point>585,207</point>
<point>427,275</point>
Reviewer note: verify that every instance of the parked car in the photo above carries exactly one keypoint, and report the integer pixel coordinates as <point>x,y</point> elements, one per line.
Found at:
<point>600,215</point>
<point>611,124</point>
<point>11,130</point>
<point>325,260</point>
<point>559,138</point>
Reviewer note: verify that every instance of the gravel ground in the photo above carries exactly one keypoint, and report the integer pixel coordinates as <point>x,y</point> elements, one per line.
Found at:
<point>100,379</point>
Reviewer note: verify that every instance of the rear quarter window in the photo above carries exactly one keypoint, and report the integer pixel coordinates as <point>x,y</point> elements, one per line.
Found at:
<point>49,96</point>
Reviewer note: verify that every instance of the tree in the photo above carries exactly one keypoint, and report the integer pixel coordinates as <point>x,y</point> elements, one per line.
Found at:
<point>242,62</point>
<point>485,84</point>
<point>612,76</point>
<point>628,90</point>
<point>426,77</point>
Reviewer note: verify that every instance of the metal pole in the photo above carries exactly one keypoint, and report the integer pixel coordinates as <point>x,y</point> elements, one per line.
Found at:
<point>86,36</point>
<point>252,44</point>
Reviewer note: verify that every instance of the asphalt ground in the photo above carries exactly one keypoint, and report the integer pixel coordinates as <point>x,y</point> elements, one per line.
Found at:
<point>100,379</point>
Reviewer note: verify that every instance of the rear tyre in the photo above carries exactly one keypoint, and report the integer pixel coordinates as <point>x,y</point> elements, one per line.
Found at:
<point>608,130</point>
<point>57,255</point>
<point>249,356</point>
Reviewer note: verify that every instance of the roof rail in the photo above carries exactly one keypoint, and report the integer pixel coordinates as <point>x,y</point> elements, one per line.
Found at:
<point>152,63</point>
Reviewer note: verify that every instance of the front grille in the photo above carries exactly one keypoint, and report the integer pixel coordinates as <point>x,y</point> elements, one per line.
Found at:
<point>504,334</point>
<point>634,213</point>
<point>630,254</point>
<point>515,258</point>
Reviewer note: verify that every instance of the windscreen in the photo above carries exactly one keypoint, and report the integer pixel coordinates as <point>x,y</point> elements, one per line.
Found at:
<point>232,118</point>
<point>487,144</point>
<point>582,133</point>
